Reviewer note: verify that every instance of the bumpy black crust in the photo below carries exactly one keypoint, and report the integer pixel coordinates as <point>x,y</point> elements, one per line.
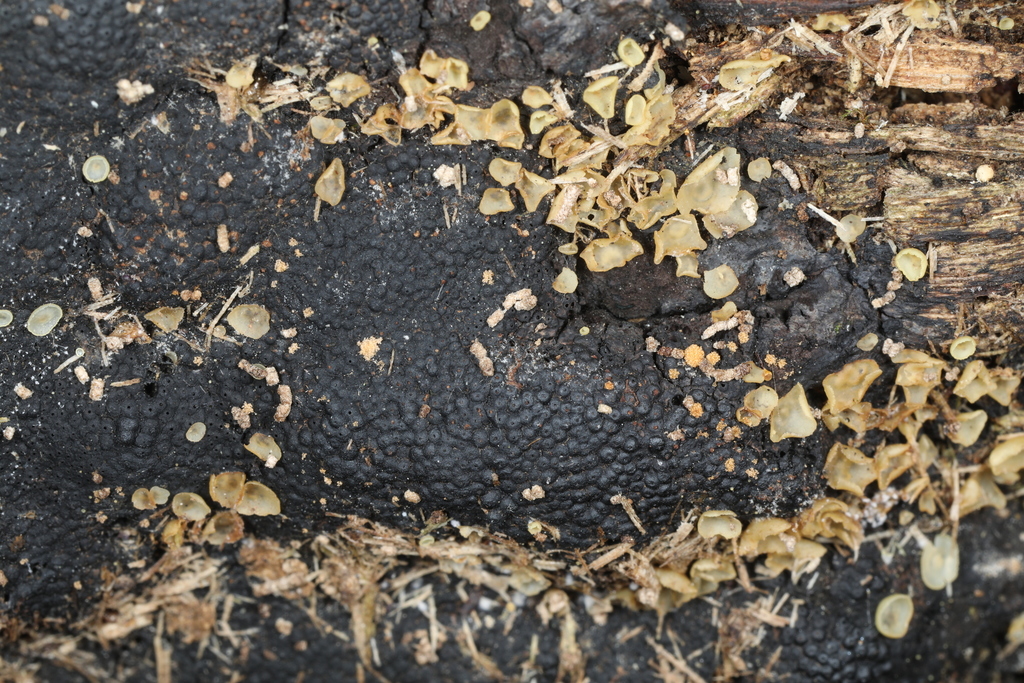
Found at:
<point>383,263</point>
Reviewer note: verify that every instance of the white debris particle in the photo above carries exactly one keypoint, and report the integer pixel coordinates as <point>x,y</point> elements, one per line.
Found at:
<point>8,433</point>
<point>891,348</point>
<point>535,492</point>
<point>95,288</point>
<point>369,347</point>
<point>789,105</point>
<point>222,239</point>
<point>82,374</point>
<point>96,389</point>
<point>284,406</point>
<point>411,496</point>
<point>480,353</point>
<point>22,391</point>
<point>794,276</point>
<point>132,92</point>
<point>446,176</point>
<point>604,409</point>
<point>788,173</point>
<point>652,344</point>
<point>289,333</point>
<point>522,300</point>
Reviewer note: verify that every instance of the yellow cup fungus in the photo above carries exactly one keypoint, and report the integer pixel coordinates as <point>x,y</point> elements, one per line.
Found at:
<point>326,130</point>
<point>868,342</point>
<point>226,488</point>
<point>850,228</point>
<point>966,428</point>
<point>190,506</point>
<point>348,87</point>
<point>166,318</point>
<point>678,236</point>
<point>831,518</point>
<point>847,387</point>
<point>566,282</point>
<point>720,282</point>
<point>719,523</point>
<point>940,562</point>
<point>923,14</point>
<point>759,169</point>
<point>541,119</point>
<point>708,572</point>
<point>533,188</point>
<point>265,448</point>
<point>330,186</point>
<point>480,20</point>
<point>713,185</point>
<point>258,500</point>
<point>848,469</point>
<point>241,73</point>
<point>962,347</point>
<point>1006,24</point>
<point>600,95</point>
<point>223,528</point>
<point>142,499</point>
<point>196,432</point>
<point>974,382</point>
<point>636,110</point>
<point>96,169</point>
<point>912,263</point>
<point>744,73</point>
<point>504,171</point>
<point>606,253</point>
<point>629,52</point>
<point>495,200</point>
<point>831,22</point>
<point>758,405</point>
<point>893,615</point>
<point>891,461</point>
<point>536,97</point>
<point>160,494</point>
<point>6,317</point>
<point>979,491</point>
<point>42,320</point>
<point>250,320</point>
<point>740,215</point>
<point>1007,459</point>
<point>792,417</point>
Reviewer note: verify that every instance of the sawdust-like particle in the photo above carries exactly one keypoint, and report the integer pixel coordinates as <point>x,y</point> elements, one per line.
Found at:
<point>369,347</point>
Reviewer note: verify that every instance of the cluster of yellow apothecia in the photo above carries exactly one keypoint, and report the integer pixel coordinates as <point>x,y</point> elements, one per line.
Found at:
<point>591,196</point>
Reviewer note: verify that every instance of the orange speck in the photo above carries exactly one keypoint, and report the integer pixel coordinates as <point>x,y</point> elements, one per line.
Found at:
<point>693,355</point>
<point>609,385</point>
